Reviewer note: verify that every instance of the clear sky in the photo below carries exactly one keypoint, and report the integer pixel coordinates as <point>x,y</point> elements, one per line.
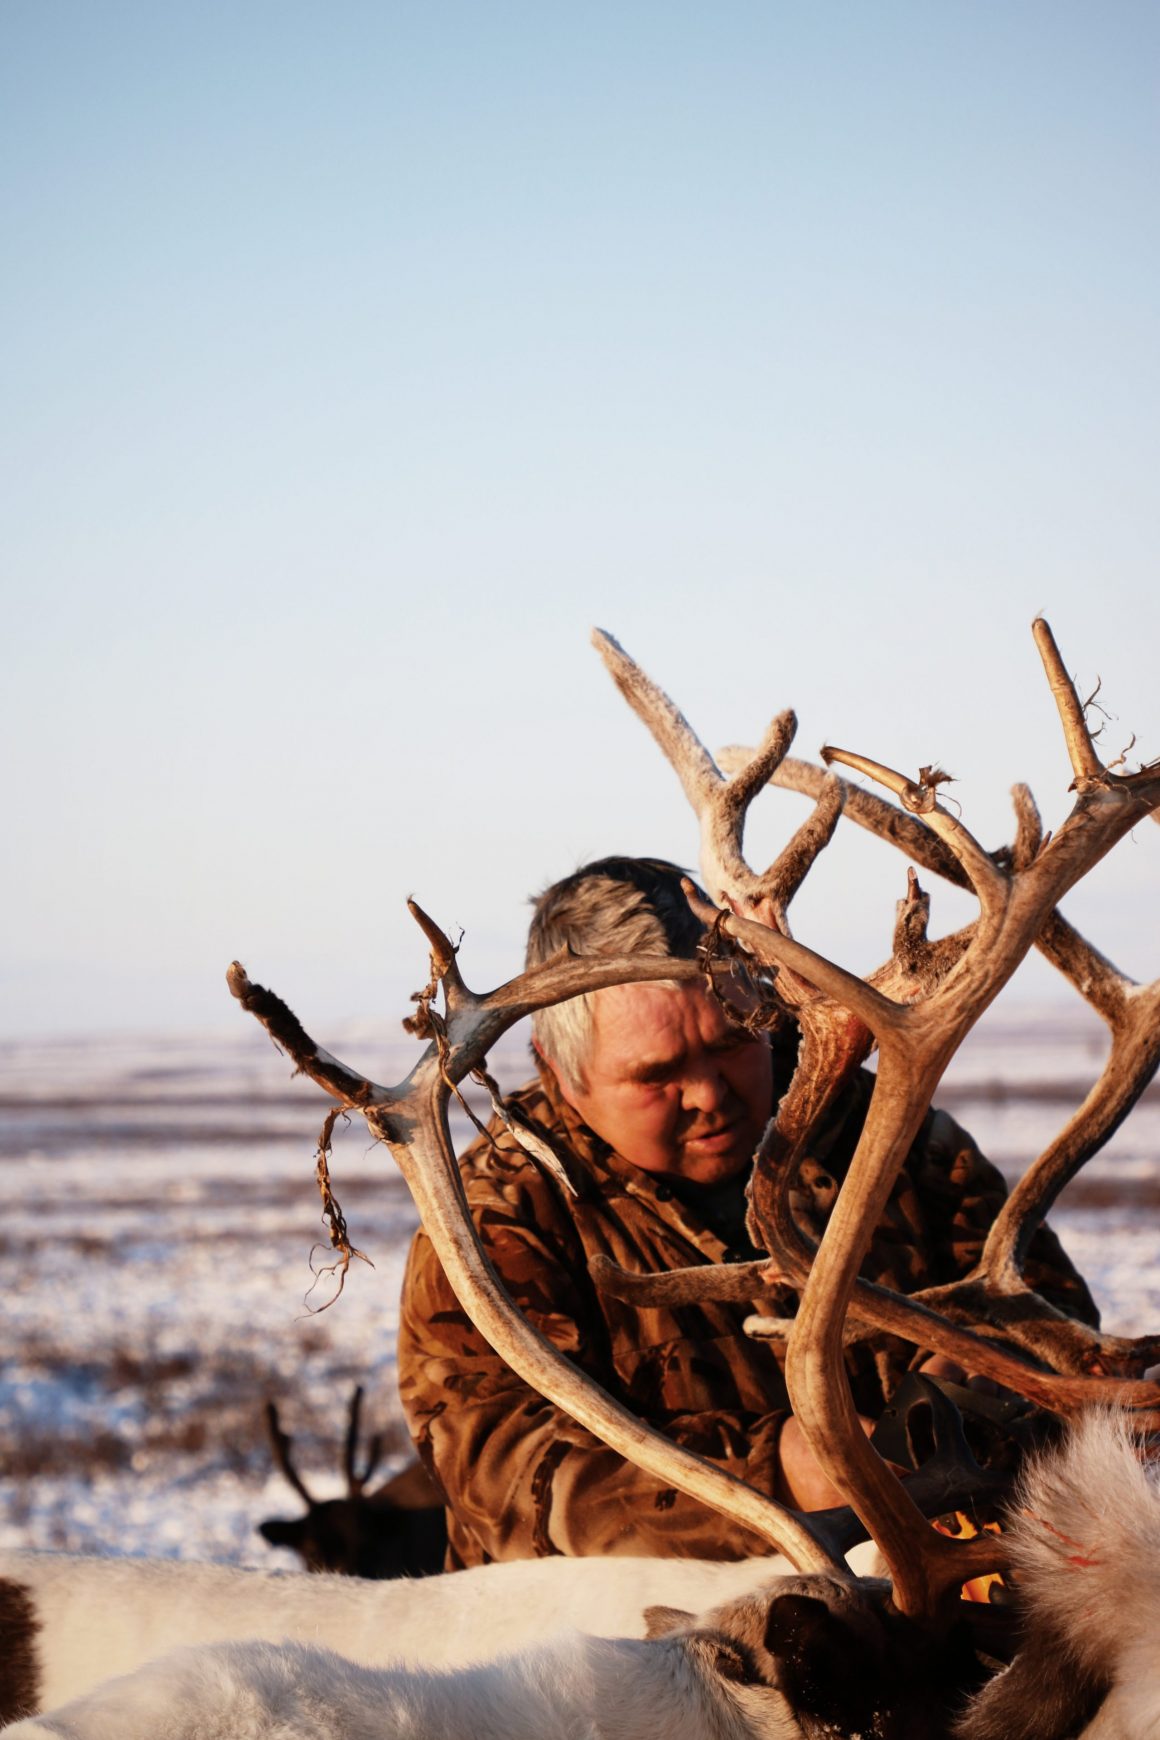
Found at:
<point>360,357</point>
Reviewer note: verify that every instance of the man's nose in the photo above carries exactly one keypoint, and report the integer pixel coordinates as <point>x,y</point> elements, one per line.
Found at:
<point>704,1088</point>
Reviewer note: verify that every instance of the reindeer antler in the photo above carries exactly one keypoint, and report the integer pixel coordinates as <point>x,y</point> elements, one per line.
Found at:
<point>412,1120</point>
<point>916,1038</point>
<point>917,1008</point>
<point>995,1289</point>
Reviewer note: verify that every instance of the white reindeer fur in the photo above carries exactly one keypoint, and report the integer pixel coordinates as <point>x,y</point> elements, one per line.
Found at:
<point>100,1617</point>
<point>577,1688</point>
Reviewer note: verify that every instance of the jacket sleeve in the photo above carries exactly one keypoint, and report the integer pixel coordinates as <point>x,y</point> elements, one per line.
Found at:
<point>521,1477</point>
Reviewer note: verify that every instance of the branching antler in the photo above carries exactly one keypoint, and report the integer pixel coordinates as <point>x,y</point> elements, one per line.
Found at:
<point>916,1039</point>
<point>995,1291</point>
<point>283,1447</point>
<point>412,1120</point>
<point>721,804</point>
<point>835,1036</point>
<point>357,1478</point>
<point>917,1008</point>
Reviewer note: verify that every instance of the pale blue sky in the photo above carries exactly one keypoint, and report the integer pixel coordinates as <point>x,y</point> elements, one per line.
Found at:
<point>359,358</point>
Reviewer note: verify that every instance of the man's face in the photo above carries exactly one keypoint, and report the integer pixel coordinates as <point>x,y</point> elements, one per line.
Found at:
<point>671,1085</point>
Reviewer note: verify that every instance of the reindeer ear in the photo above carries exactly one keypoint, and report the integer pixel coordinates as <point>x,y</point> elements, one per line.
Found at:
<point>724,1657</point>
<point>281,1532</point>
<point>660,1621</point>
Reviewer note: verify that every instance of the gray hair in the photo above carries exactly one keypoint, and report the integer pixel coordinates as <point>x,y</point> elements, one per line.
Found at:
<point>616,906</point>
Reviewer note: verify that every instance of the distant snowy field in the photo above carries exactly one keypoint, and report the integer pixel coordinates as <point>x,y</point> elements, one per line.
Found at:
<point>159,1209</point>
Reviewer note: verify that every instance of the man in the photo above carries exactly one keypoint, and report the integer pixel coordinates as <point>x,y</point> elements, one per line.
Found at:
<point>656,1101</point>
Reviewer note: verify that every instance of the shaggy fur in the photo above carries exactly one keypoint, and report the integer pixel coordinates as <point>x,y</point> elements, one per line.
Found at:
<point>1085,1542</point>
<point>19,1652</point>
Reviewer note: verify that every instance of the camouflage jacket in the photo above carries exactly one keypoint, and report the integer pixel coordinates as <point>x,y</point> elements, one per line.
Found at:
<point>522,1479</point>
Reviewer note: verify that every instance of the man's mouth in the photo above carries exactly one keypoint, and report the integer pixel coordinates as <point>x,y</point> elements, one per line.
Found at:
<point>714,1141</point>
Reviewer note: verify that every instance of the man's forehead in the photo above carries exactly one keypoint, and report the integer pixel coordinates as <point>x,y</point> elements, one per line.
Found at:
<point>655,1019</point>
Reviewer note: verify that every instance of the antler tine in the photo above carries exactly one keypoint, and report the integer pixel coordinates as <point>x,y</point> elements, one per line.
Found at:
<point>700,778</point>
<point>740,885</point>
<point>795,861</point>
<point>373,1457</point>
<point>282,1445</point>
<point>986,879</point>
<point>866,808</point>
<point>1132,1013</point>
<point>354,1484</point>
<point>735,794</point>
<point>679,743</point>
<point>444,968</point>
<point>289,1035</point>
<point>1028,827</point>
<point>720,805</point>
<point>1090,772</point>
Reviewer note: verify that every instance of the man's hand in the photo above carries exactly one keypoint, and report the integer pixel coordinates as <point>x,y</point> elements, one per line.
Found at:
<point>804,1484</point>
<point>939,1366</point>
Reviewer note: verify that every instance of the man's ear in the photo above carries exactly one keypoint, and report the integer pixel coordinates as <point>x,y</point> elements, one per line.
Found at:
<point>562,1082</point>
<point>543,1057</point>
